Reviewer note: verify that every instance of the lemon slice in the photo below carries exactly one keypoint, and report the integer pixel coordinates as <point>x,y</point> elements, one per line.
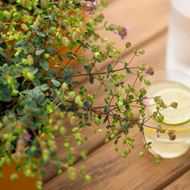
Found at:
<point>171,92</point>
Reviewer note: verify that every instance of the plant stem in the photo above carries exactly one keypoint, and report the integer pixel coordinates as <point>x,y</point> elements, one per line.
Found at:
<point>101,73</point>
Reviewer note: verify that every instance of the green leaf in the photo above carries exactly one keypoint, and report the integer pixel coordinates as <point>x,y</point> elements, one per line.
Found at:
<point>157,159</point>
<point>3,45</point>
<point>5,94</point>
<point>39,184</point>
<point>160,118</point>
<point>106,109</point>
<point>86,105</point>
<point>126,65</point>
<point>51,51</point>
<point>106,119</point>
<point>44,87</point>
<point>141,154</point>
<point>125,153</point>
<point>51,108</point>
<point>41,34</point>
<point>139,52</point>
<point>51,74</point>
<point>78,101</point>
<point>70,55</point>
<point>71,171</point>
<point>82,90</point>
<point>39,52</point>
<point>84,154</point>
<point>56,83</point>
<point>109,68</point>
<point>174,105</point>
<point>75,129</point>
<point>59,57</point>
<point>128,45</point>
<point>68,72</point>
<point>98,56</point>
<point>14,176</point>
<point>88,178</point>
<point>20,43</point>
<point>91,79</point>
<point>70,159</point>
<point>40,99</point>
<point>147,82</point>
<point>129,142</point>
<point>87,68</point>
<point>44,64</point>
<point>3,54</point>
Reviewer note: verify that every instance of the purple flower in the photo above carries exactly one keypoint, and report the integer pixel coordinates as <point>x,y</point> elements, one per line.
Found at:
<point>29,136</point>
<point>123,31</point>
<point>115,30</point>
<point>90,6</point>
<point>145,106</point>
<point>149,71</point>
<point>145,97</point>
<point>158,135</point>
<point>95,3</point>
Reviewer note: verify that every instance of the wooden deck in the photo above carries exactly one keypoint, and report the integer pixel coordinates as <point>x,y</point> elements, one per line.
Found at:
<point>148,22</point>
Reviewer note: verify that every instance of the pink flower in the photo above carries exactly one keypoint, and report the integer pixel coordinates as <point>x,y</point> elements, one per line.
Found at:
<point>149,71</point>
<point>145,106</point>
<point>90,6</point>
<point>123,31</point>
<point>95,3</point>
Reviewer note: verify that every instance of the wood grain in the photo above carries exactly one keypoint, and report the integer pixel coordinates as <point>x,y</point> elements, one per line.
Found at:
<point>147,19</point>
<point>144,18</point>
<point>182,183</point>
<point>110,171</point>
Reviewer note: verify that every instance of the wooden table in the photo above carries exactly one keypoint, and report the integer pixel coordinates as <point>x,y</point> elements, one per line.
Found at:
<point>148,22</point>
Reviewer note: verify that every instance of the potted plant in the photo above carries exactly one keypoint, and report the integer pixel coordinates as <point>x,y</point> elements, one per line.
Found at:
<point>40,41</point>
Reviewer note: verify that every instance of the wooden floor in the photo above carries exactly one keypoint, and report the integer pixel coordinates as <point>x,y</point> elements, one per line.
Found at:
<point>147,21</point>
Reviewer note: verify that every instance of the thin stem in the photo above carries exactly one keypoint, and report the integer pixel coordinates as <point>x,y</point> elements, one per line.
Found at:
<point>148,126</point>
<point>101,73</point>
<point>101,107</point>
<point>113,95</point>
<point>102,27</point>
<point>76,51</point>
<point>130,61</point>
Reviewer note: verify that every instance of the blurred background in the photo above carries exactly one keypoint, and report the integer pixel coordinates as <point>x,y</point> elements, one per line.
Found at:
<point>160,27</point>
<point>147,23</point>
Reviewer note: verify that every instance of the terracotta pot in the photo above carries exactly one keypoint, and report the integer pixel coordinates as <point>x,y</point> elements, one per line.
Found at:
<point>62,50</point>
<point>22,183</point>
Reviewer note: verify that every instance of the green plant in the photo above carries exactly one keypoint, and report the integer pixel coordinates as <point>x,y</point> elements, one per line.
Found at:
<point>38,101</point>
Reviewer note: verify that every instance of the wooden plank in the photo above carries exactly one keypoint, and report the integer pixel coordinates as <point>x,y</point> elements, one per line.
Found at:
<point>143,18</point>
<point>182,183</point>
<point>138,17</point>
<point>110,171</point>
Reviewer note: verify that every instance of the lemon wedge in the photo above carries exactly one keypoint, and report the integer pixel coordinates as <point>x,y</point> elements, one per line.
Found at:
<point>171,92</point>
